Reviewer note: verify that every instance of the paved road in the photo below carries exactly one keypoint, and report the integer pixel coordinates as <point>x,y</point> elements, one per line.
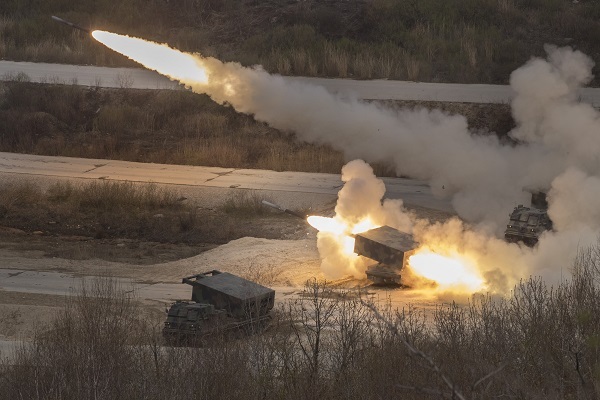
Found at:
<point>410,191</point>
<point>8,349</point>
<point>373,89</point>
<point>62,284</point>
<point>86,75</point>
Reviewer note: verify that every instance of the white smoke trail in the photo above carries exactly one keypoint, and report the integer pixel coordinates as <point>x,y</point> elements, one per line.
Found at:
<point>484,178</point>
<point>560,140</point>
<point>363,196</point>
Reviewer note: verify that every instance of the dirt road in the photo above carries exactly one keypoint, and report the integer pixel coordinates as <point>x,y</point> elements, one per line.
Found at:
<point>34,281</point>
<point>306,189</point>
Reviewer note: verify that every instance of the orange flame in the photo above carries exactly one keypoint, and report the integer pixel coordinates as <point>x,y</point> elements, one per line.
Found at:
<point>341,230</point>
<point>325,224</point>
<point>158,57</point>
<point>338,226</point>
<point>448,271</point>
<point>454,272</point>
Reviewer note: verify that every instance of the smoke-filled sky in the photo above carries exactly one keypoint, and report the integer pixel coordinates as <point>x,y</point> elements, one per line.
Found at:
<point>558,151</point>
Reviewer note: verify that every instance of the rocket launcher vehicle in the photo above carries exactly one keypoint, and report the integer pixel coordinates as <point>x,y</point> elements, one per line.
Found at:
<point>389,248</point>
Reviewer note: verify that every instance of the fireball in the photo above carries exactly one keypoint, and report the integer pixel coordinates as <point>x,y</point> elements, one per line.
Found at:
<point>341,230</point>
<point>449,272</point>
<point>157,57</point>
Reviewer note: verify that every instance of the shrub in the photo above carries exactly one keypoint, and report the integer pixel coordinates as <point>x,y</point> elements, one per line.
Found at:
<point>539,342</point>
<point>244,202</point>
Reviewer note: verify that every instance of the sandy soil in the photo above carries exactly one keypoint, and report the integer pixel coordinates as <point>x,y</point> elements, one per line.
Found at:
<point>270,262</point>
<point>286,263</point>
<point>281,262</point>
<point>22,313</point>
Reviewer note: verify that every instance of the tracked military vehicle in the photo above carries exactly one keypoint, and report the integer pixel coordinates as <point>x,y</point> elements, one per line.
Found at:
<point>221,303</point>
<point>526,224</point>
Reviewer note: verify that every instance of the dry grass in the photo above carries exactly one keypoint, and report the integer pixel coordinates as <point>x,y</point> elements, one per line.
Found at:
<point>336,61</point>
<point>112,195</point>
<point>456,41</point>
<point>14,195</point>
<point>100,209</point>
<point>245,202</point>
<point>540,342</point>
<point>128,222</point>
<point>175,127</point>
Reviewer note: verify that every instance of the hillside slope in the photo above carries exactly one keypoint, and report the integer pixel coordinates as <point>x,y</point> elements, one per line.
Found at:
<point>426,40</point>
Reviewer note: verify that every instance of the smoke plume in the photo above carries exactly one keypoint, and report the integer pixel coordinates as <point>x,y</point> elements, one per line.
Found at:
<point>558,145</point>
<point>559,140</point>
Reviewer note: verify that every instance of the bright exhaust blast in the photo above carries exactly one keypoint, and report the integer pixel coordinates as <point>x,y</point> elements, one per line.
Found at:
<point>157,57</point>
<point>559,143</point>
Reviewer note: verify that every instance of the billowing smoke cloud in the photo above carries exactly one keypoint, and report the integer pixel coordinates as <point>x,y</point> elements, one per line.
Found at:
<point>558,151</point>
<point>483,177</point>
<point>559,143</point>
<point>363,197</point>
<point>360,199</point>
<point>476,170</point>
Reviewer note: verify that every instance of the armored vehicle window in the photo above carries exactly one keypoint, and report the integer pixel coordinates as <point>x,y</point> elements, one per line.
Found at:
<point>192,315</point>
<point>533,220</point>
<point>524,217</point>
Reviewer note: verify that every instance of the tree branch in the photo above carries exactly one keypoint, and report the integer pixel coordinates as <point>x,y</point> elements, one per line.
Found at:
<point>415,352</point>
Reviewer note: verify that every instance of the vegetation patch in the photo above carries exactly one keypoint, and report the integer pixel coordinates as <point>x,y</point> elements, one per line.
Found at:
<point>176,127</point>
<point>137,223</point>
<point>245,202</point>
<point>468,41</point>
<point>539,341</point>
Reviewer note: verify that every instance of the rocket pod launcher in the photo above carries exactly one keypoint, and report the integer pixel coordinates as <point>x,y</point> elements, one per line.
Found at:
<point>240,297</point>
<point>390,248</point>
<point>221,303</point>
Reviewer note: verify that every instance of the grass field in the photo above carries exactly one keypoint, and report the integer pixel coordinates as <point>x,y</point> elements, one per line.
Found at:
<point>175,127</point>
<point>452,41</point>
<point>128,222</point>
